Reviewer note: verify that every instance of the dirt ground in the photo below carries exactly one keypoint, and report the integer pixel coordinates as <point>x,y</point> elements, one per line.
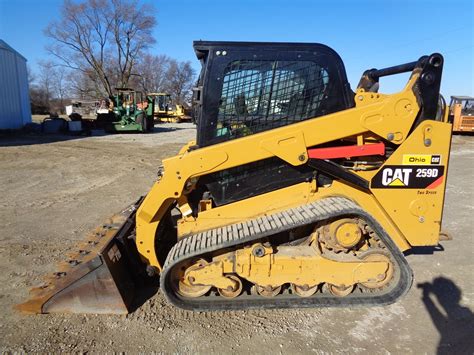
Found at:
<point>55,188</point>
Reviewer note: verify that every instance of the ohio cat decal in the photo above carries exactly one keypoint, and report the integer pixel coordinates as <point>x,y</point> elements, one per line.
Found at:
<point>421,159</point>
<point>408,176</point>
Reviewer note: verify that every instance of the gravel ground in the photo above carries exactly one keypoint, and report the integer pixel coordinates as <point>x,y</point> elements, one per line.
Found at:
<point>55,188</point>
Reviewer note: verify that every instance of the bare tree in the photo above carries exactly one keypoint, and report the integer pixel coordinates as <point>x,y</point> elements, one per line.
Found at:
<point>31,75</point>
<point>152,73</point>
<point>61,87</point>
<point>103,39</point>
<point>180,80</point>
<point>52,82</point>
<point>53,79</point>
<point>85,85</point>
<point>39,100</point>
<point>45,79</point>
<point>164,74</point>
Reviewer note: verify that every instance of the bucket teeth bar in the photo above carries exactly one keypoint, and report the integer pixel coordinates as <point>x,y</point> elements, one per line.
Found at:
<point>93,279</point>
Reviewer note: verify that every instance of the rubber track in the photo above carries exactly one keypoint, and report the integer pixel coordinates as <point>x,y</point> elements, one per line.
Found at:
<point>198,245</point>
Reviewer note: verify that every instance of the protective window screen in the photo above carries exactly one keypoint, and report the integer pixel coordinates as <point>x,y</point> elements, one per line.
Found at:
<point>261,95</point>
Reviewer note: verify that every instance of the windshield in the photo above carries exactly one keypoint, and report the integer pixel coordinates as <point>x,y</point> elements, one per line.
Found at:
<point>260,95</point>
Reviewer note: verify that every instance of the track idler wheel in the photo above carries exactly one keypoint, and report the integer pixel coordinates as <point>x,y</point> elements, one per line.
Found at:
<point>185,284</point>
<point>382,279</point>
<point>232,292</point>
<point>304,290</point>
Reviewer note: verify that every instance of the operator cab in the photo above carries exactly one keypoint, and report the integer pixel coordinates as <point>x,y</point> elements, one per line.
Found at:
<point>246,88</point>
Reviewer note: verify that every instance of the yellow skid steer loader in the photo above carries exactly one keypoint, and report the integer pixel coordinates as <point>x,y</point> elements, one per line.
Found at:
<point>298,192</point>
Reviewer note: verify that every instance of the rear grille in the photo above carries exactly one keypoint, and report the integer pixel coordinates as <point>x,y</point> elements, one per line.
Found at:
<point>467,123</point>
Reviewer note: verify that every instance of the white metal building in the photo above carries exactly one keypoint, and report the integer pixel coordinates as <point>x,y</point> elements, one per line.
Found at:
<point>15,109</point>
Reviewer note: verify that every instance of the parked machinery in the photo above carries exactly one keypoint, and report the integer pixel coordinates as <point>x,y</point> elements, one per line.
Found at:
<point>127,111</point>
<point>166,111</point>
<point>461,114</point>
<point>298,192</point>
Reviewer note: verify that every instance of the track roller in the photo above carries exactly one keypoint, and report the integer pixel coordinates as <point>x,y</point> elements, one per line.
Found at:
<point>268,291</point>
<point>304,290</point>
<point>232,292</point>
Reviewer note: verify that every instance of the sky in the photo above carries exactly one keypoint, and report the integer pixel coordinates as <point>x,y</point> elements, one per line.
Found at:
<point>366,33</point>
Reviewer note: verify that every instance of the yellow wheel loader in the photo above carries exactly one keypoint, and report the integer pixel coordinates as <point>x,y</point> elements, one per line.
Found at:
<point>298,192</point>
<point>461,114</point>
<point>166,111</point>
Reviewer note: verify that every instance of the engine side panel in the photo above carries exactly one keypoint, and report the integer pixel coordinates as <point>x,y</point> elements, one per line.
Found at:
<point>410,185</point>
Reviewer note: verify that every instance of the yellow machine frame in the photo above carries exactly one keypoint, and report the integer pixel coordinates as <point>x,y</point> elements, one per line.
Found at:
<point>411,217</point>
<point>326,211</point>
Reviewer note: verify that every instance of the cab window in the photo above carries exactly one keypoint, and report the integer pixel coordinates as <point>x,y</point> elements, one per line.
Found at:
<point>261,95</point>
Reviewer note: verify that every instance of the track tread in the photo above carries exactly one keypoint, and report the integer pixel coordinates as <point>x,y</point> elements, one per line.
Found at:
<point>260,227</point>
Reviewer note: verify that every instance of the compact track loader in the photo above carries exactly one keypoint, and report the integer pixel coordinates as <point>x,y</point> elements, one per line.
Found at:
<point>298,192</point>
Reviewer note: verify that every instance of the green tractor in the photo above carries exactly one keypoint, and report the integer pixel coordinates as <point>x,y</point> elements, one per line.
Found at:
<point>127,111</point>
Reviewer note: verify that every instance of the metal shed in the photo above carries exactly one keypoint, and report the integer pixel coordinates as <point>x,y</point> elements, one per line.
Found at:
<point>15,109</point>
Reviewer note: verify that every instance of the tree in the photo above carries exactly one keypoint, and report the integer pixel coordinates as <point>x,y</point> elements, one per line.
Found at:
<point>180,80</point>
<point>103,39</point>
<point>60,85</point>
<point>52,83</point>
<point>152,73</point>
<point>164,74</point>
<point>44,79</point>
<point>40,91</point>
<point>39,101</point>
<point>31,75</point>
<point>85,85</point>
